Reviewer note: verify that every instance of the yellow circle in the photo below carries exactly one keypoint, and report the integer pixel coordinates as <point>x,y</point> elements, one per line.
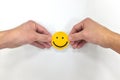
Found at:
<point>60,40</point>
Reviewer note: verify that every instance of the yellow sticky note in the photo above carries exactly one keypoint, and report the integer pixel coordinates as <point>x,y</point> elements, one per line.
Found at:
<point>60,40</point>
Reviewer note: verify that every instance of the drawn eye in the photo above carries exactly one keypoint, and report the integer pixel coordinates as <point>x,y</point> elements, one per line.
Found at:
<point>62,37</point>
<point>56,37</point>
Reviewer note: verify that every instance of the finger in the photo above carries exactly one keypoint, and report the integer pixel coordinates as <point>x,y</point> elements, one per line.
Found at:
<point>46,45</point>
<point>71,42</point>
<point>43,38</point>
<point>76,36</point>
<point>49,43</point>
<point>81,44</point>
<point>75,44</point>
<point>38,45</point>
<point>78,27</point>
<point>41,29</point>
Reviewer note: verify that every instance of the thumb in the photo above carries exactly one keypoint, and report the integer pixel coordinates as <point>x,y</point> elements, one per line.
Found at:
<point>43,38</point>
<point>76,36</point>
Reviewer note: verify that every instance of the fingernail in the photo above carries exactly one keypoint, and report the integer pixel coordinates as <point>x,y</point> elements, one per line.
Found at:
<point>71,42</point>
<point>49,39</point>
<point>48,46</point>
<point>49,43</point>
<point>70,38</point>
<point>75,46</point>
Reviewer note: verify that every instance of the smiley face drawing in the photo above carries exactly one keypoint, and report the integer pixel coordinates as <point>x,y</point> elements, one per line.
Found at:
<point>60,40</point>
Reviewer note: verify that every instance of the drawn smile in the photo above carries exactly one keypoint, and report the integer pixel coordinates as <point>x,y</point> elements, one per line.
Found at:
<point>60,46</point>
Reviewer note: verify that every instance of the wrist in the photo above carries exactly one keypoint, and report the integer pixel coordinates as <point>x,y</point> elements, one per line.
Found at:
<point>4,39</point>
<point>115,41</point>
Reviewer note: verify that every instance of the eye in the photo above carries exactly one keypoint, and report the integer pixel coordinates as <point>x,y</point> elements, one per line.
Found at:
<point>56,37</point>
<point>62,37</point>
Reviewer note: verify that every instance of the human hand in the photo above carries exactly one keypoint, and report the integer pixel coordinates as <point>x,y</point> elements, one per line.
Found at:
<point>27,33</point>
<point>89,31</point>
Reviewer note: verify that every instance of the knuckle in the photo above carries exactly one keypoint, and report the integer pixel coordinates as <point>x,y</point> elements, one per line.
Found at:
<point>75,26</point>
<point>31,22</point>
<point>87,19</point>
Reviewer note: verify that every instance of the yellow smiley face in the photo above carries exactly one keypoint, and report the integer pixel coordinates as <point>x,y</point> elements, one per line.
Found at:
<point>60,40</point>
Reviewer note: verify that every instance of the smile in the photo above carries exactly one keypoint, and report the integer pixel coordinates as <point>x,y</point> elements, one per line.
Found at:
<point>60,46</point>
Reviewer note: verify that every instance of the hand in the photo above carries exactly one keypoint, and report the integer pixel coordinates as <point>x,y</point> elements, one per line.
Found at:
<point>27,33</point>
<point>89,31</point>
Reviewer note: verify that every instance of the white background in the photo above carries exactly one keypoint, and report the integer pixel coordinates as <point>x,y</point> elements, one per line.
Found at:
<point>88,63</point>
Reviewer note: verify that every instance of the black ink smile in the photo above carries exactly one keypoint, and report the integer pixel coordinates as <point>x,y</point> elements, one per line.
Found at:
<point>60,46</point>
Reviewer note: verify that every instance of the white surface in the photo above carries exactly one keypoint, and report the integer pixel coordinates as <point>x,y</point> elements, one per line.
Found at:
<point>88,63</point>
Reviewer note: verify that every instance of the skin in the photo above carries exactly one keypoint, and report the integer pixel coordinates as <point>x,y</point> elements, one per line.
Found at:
<point>92,32</point>
<point>27,33</point>
<point>82,33</point>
